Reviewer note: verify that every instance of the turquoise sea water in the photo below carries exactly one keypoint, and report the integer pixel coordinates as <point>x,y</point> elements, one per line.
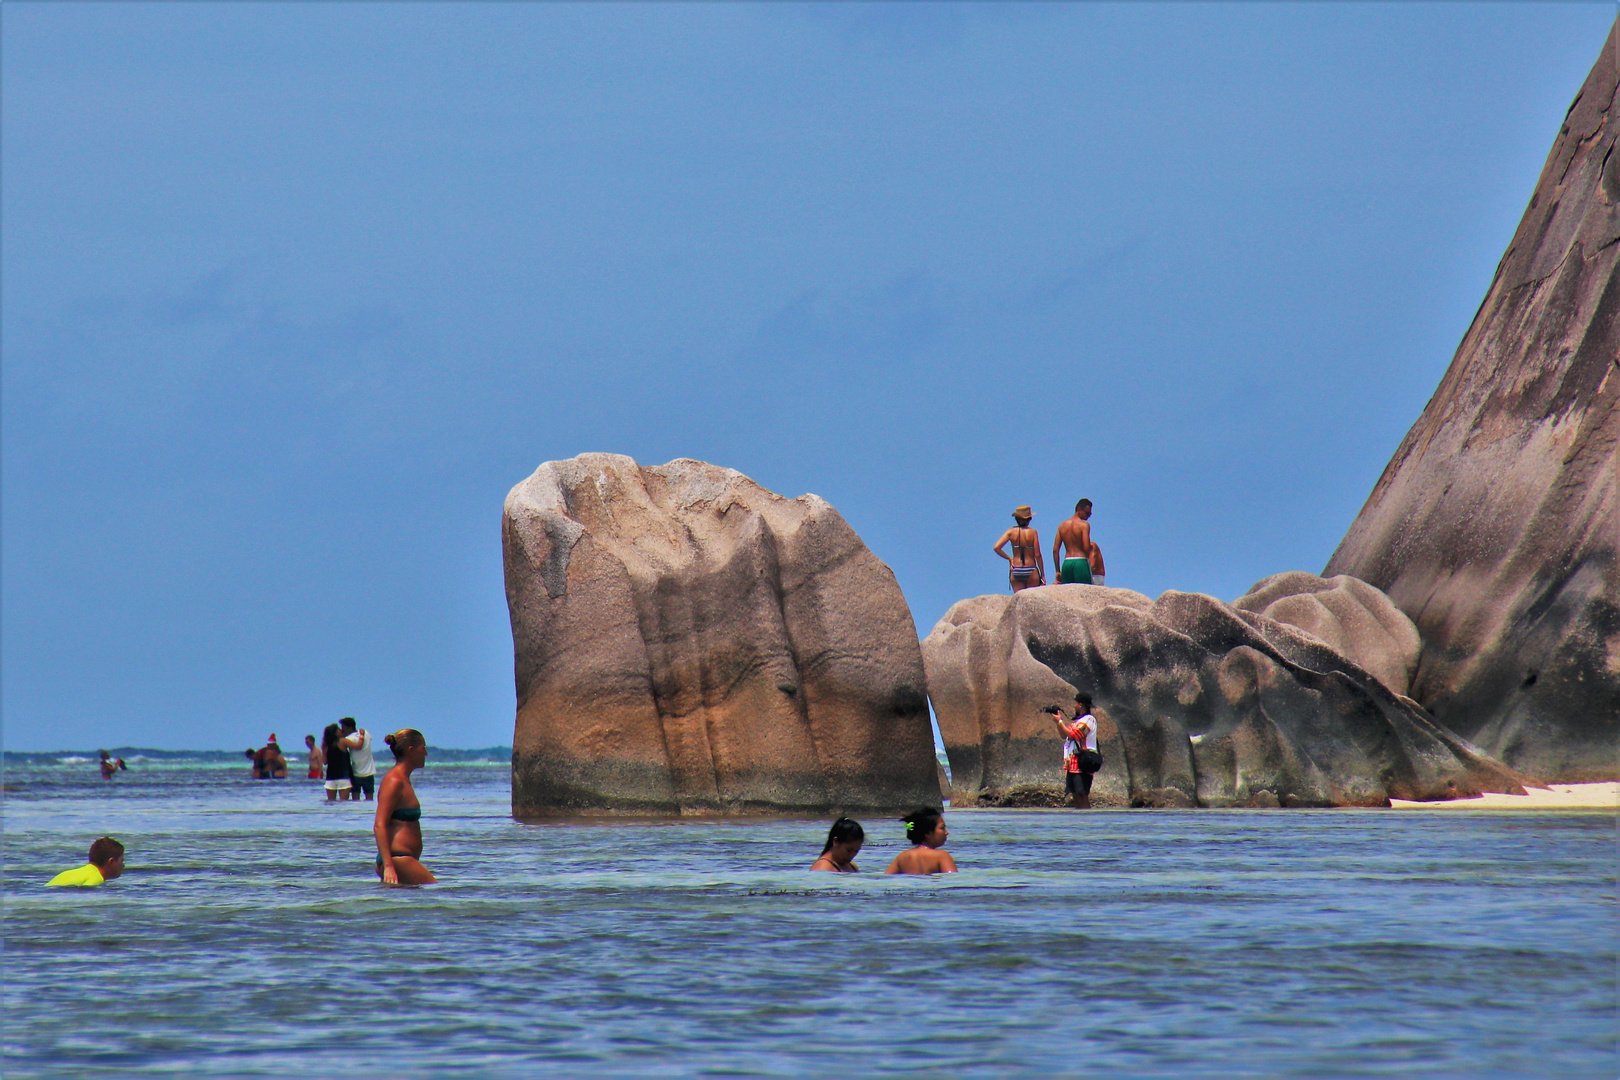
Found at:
<point>250,938</point>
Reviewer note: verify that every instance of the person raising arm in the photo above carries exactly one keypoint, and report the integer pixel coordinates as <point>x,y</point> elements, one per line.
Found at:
<point>1080,757</point>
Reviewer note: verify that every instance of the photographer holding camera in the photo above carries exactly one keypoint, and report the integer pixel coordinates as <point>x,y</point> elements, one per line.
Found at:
<point>1080,757</point>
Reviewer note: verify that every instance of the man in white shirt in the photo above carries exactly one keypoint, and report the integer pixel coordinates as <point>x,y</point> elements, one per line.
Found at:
<point>362,767</point>
<point>1080,757</point>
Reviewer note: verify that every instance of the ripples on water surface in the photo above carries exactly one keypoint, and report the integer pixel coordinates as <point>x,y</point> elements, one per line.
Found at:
<point>249,938</point>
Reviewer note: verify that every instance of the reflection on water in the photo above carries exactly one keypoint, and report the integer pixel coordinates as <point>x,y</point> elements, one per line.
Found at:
<point>249,938</point>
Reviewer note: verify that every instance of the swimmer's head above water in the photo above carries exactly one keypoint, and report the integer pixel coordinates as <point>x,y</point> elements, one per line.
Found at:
<point>926,826</point>
<point>844,842</point>
<point>107,855</point>
<point>846,833</point>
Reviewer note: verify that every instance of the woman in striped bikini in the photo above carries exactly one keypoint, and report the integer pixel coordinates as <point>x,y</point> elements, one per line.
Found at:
<point>1028,570</point>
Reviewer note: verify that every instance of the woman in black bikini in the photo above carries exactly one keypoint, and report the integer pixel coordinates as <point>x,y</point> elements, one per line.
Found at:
<point>398,824</point>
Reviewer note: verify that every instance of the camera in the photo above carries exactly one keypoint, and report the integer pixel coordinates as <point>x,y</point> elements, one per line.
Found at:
<point>1053,709</point>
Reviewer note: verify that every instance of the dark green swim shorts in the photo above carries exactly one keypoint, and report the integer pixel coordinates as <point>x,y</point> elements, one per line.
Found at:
<point>1075,572</point>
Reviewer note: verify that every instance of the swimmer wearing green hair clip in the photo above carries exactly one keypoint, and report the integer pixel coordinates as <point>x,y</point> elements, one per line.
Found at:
<point>925,828</point>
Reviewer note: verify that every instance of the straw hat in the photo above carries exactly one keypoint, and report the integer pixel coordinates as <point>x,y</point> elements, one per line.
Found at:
<point>1023,512</point>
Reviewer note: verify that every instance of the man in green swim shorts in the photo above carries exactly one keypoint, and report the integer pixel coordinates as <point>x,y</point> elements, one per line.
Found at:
<point>1074,541</point>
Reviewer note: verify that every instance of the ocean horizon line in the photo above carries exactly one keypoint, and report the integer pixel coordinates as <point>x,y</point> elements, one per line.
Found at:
<point>146,754</point>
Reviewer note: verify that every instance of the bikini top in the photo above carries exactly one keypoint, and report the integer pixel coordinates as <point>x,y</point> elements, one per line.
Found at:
<point>1021,544</point>
<point>407,813</point>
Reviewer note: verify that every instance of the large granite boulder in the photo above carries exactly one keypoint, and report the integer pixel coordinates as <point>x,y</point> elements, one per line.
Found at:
<point>1199,704</point>
<point>689,642</point>
<point>1494,526</point>
<point>1351,617</point>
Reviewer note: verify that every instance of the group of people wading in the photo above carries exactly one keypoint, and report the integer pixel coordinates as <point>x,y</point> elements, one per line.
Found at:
<point>1080,562</point>
<point>397,825</point>
<point>925,832</point>
<point>344,759</point>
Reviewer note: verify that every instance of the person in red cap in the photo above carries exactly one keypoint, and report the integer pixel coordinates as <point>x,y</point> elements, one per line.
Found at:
<point>268,761</point>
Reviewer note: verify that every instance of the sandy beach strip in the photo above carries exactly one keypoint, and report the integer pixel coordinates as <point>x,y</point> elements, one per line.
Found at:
<point>1604,796</point>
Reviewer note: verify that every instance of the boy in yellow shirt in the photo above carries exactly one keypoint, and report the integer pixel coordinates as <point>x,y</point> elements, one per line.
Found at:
<point>106,863</point>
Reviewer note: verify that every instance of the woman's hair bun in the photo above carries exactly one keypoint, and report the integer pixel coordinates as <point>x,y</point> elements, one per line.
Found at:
<point>401,741</point>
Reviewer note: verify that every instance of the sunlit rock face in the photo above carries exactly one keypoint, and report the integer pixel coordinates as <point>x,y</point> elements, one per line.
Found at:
<point>1351,617</point>
<point>1494,526</point>
<point>1199,704</point>
<point>687,642</point>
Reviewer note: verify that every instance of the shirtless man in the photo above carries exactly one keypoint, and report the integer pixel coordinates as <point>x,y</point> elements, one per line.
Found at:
<point>1027,568</point>
<point>1074,540</point>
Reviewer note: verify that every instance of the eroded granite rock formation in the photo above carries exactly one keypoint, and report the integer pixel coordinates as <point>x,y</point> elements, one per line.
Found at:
<point>1494,526</point>
<point>1198,703</point>
<point>1356,620</point>
<point>689,642</point>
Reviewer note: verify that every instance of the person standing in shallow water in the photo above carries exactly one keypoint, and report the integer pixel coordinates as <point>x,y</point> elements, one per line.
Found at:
<point>317,760</point>
<point>1080,558</point>
<point>398,824</point>
<point>844,842</point>
<point>1027,569</point>
<point>362,769</point>
<point>925,828</point>
<point>338,785</point>
<point>1080,757</point>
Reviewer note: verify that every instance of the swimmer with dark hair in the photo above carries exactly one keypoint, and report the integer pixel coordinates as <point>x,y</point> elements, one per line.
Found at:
<point>106,863</point>
<point>925,828</point>
<point>844,842</point>
<point>398,824</point>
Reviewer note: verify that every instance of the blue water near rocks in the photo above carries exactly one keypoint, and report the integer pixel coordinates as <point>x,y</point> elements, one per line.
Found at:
<point>250,938</point>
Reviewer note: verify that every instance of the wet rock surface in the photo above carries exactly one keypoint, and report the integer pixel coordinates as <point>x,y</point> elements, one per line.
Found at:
<point>687,642</point>
<point>1495,526</point>
<point>1199,703</point>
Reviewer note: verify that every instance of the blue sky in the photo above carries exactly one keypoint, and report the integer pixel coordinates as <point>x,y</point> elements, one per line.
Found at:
<point>294,293</point>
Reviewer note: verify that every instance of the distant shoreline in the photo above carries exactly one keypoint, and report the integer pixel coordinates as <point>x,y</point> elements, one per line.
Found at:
<point>141,755</point>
